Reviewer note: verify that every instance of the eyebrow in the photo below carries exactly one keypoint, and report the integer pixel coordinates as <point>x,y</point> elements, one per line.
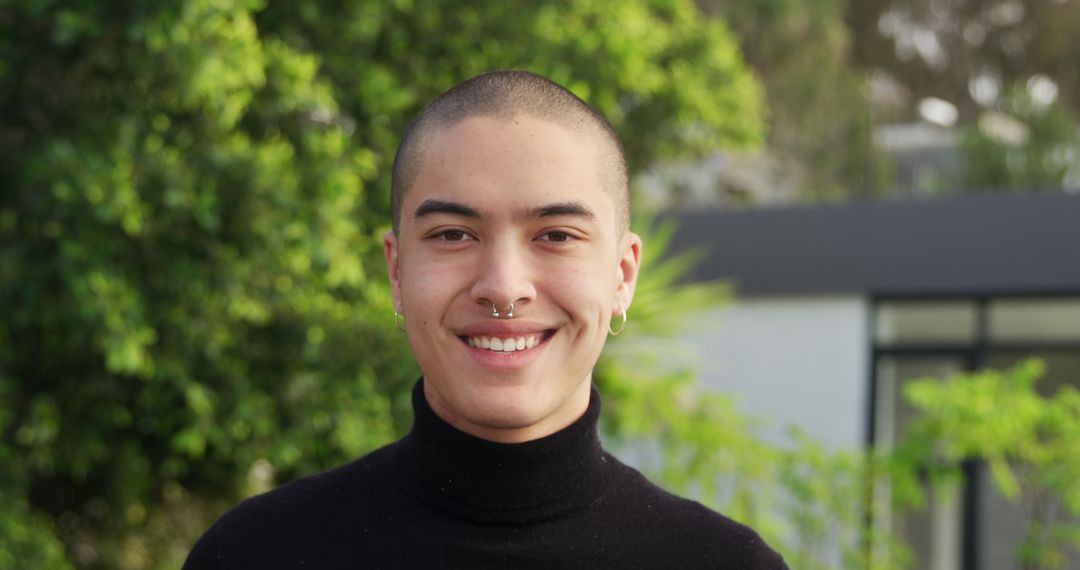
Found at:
<point>434,206</point>
<point>576,209</point>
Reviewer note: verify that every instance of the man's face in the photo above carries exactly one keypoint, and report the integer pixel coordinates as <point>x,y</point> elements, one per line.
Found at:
<point>510,211</point>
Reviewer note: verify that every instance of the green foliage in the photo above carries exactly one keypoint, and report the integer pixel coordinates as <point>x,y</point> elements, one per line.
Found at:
<point>970,39</point>
<point>671,81</point>
<point>194,197</point>
<point>820,117</point>
<point>827,501</point>
<point>1031,443</point>
<point>27,538</point>
<point>187,279</point>
<point>1039,148</point>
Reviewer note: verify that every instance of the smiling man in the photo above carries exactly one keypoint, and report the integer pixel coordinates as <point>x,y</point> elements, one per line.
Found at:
<point>510,260</point>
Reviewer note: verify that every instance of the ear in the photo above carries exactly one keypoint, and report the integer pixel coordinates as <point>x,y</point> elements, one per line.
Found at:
<point>390,251</point>
<point>629,265</point>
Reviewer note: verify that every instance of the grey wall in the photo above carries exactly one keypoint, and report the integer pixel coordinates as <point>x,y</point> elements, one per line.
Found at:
<point>792,361</point>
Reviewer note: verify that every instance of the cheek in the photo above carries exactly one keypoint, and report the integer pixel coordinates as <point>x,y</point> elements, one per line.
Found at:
<point>584,289</point>
<point>429,286</point>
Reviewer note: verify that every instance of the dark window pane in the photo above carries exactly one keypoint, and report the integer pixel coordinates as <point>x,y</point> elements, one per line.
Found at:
<point>925,322</point>
<point>934,533</point>
<point>1025,320</point>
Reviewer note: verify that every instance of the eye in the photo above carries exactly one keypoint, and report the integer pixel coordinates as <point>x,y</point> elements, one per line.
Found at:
<point>557,237</point>
<point>452,235</point>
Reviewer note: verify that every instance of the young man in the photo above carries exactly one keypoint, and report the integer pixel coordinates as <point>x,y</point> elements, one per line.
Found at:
<point>510,260</point>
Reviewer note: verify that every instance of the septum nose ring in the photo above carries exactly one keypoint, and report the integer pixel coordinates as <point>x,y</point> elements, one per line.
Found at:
<point>509,312</point>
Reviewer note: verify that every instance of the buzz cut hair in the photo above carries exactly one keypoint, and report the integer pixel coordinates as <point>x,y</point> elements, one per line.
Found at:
<point>505,94</point>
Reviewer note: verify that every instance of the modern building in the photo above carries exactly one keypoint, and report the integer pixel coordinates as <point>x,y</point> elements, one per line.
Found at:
<point>837,307</point>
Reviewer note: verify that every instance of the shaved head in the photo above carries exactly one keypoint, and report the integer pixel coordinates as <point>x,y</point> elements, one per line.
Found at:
<point>504,95</point>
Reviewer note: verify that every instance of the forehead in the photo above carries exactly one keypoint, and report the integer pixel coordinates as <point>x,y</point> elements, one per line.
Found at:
<point>495,164</point>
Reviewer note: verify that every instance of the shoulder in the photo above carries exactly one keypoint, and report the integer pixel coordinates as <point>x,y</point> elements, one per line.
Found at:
<point>690,531</point>
<point>321,493</point>
<point>310,510</point>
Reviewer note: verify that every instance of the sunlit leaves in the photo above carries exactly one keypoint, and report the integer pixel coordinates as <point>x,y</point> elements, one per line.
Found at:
<point>1029,440</point>
<point>215,48</point>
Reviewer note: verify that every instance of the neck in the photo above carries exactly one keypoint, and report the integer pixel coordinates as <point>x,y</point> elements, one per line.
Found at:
<point>513,431</point>
<point>490,481</point>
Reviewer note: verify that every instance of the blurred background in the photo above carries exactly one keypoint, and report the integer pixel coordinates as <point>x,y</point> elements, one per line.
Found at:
<point>859,323</point>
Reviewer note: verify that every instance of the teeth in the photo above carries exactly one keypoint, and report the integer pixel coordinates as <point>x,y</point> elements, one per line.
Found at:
<point>497,344</point>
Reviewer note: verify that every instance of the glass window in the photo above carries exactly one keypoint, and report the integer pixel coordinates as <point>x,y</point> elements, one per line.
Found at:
<point>1016,328</point>
<point>925,322</point>
<point>893,413</point>
<point>1002,522</point>
<point>1026,320</point>
<point>1001,526</point>
<point>934,533</point>
<point>1062,366</point>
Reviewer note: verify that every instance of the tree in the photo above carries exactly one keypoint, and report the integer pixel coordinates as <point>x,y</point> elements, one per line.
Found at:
<point>1029,440</point>
<point>191,219</point>
<point>820,118</point>
<point>1008,68</point>
<point>1027,143</point>
<point>969,53</point>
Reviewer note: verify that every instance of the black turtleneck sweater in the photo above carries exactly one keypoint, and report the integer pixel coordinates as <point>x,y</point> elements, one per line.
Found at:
<point>440,498</point>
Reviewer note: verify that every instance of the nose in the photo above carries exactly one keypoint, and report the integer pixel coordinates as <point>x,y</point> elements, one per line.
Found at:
<point>504,276</point>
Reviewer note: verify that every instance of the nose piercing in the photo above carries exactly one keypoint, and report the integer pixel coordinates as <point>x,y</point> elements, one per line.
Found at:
<point>509,312</point>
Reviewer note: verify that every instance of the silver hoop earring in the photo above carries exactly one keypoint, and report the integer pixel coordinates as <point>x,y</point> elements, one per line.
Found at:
<point>399,320</point>
<point>509,312</point>
<point>621,327</point>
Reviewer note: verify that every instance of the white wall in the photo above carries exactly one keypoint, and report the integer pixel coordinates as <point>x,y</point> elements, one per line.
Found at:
<point>799,361</point>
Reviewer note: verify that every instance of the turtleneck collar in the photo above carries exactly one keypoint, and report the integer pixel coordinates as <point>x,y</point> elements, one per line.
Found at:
<point>507,483</point>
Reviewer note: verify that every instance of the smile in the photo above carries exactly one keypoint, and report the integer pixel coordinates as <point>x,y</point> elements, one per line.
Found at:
<point>505,344</point>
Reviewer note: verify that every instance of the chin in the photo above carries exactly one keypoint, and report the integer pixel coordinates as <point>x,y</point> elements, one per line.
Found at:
<point>510,408</point>
<point>507,422</point>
